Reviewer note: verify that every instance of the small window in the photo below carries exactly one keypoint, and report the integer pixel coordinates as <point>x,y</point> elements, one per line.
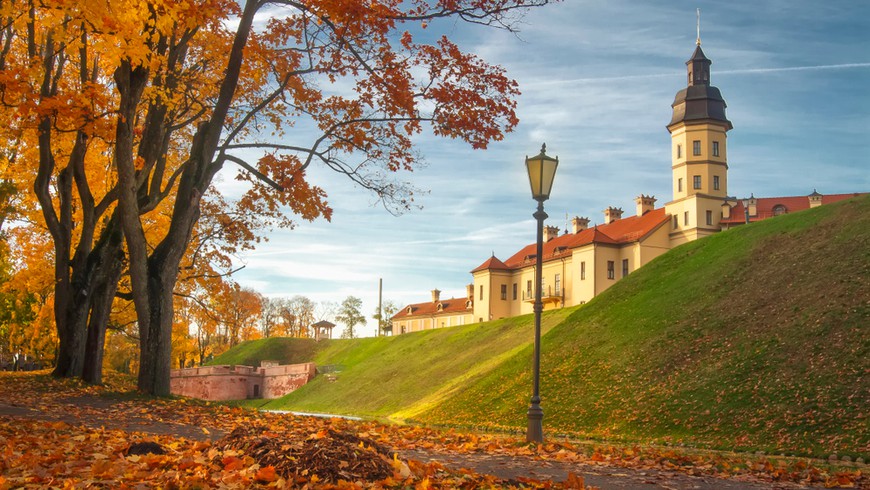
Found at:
<point>676,222</point>
<point>515,291</point>
<point>715,148</point>
<point>624,267</point>
<point>696,147</point>
<point>558,285</point>
<point>696,181</point>
<point>583,271</point>
<point>504,292</point>
<point>529,293</point>
<point>680,185</point>
<point>686,218</point>
<point>709,217</point>
<point>481,292</point>
<point>679,151</point>
<point>611,274</point>
<point>715,182</point>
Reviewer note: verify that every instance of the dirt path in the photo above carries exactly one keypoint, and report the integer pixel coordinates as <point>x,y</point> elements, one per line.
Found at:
<point>98,412</point>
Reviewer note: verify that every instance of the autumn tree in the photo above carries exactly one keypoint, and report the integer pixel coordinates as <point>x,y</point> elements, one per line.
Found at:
<point>138,105</point>
<point>271,324</point>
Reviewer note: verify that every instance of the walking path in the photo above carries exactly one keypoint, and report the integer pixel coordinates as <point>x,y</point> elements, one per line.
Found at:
<point>100,412</point>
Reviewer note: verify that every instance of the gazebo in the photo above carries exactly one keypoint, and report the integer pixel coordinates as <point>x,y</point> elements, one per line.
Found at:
<point>323,330</point>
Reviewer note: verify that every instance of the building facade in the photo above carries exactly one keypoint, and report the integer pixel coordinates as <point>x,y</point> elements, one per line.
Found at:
<point>437,313</point>
<point>583,262</point>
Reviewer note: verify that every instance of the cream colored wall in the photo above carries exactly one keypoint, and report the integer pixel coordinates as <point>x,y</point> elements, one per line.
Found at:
<point>437,321</point>
<point>655,244</point>
<point>491,306</point>
<point>582,290</point>
<point>706,165</point>
<point>481,306</point>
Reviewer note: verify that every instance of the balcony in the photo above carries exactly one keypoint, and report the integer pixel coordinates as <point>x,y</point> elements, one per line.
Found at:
<point>548,295</point>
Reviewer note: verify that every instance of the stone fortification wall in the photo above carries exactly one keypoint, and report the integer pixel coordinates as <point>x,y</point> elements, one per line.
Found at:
<point>280,380</point>
<point>220,383</point>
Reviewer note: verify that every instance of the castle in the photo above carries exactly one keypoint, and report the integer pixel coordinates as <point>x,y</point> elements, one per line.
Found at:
<point>582,263</point>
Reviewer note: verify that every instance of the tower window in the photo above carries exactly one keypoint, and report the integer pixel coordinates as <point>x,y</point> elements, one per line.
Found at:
<point>709,217</point>
<point>529,293</point>
<point>504,292</point>
<point>696,181</point>
<point>716,182</point>
<point>676,222</point>
<point>583,271</point>
<point>558,284</point>
<point>686,218</point>
<point>624,267</point>
<point>696,147</point>
<point>679,151</point>
<point>611,274</point>
<point>515,291</point>
<point>715,148</point>
<point>481,292</point>
<point>680,185</point>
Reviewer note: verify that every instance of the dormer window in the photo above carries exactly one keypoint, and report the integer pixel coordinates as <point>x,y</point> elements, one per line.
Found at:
<point>779,209</point>
<point>410,310</point>
<point>440,307</point>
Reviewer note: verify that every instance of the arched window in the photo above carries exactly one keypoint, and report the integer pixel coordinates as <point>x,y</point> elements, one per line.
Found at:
<point>779,209</point>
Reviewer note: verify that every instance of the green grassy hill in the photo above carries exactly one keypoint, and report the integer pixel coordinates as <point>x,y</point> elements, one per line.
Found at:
<point>753,339</point>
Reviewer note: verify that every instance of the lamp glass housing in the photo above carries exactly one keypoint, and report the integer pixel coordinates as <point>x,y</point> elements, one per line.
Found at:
<point>542,171</point>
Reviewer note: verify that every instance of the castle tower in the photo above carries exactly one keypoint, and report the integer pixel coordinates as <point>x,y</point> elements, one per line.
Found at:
<point>699,163</point>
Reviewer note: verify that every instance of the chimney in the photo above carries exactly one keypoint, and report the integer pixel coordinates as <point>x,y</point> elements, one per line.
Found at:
<point>580,224</point>
<point>550,232</point>
<point>644,204</point>
<point>469,292</point>
<point>436,294</point>
<point>726,209</point>
<point>612,214</point>
<point>815,199</point>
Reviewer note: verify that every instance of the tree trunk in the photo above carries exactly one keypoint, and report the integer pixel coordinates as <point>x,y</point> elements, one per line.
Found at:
<point>107,264</point>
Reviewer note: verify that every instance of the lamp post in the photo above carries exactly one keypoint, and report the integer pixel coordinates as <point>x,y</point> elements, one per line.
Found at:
<point>542,170</point>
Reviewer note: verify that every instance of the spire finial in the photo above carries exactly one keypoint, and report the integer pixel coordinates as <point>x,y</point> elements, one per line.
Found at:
<point>698,40</point>
<point>544,148</point>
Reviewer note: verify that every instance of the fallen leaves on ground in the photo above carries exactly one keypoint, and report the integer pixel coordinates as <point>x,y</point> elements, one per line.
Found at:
<point>82,438</point>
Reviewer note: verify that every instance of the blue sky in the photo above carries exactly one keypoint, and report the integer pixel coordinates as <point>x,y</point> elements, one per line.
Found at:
<point>598,78</point>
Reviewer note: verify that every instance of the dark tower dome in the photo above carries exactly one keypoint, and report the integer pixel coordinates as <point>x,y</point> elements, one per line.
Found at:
<point>699,100</point>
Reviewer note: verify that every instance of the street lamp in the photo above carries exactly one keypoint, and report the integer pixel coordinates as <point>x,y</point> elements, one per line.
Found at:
<point>542,170</point>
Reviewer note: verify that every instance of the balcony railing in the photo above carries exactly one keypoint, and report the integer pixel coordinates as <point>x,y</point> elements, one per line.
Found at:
<point>548,295</point>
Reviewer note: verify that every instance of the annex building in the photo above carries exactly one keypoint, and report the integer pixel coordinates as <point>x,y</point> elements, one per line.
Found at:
<point>584,261</point>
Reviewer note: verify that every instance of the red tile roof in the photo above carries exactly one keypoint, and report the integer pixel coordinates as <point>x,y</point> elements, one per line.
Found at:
<point>622,231</point>
<point>450,306</point>
<point>491,263</point>
<point>764,206</point>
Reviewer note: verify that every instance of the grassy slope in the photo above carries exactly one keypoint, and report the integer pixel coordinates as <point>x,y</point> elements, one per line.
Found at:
<point>286,350</point>
<point>756,338</point>
<point>401,376</point>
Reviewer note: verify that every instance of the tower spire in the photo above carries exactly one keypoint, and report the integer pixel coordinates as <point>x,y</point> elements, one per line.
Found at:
<point>698,40</point>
